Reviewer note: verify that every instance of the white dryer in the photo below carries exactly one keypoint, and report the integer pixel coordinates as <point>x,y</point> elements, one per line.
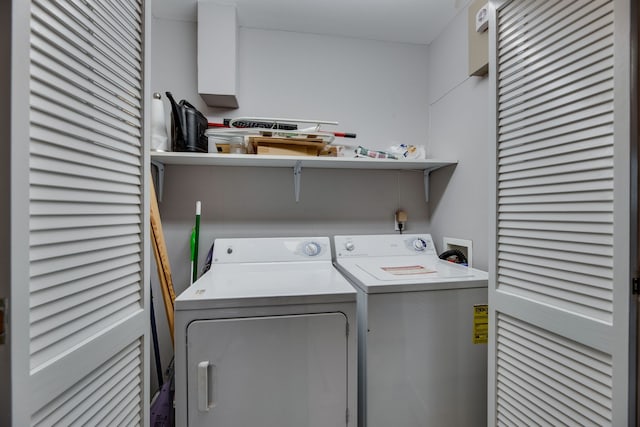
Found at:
<point>267,338</point>
<point>418,364</point>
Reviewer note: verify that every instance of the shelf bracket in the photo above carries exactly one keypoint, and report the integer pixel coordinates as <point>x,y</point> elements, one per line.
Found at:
<point>297,173</point>
<point>427,172</point>
<point>160,182</point>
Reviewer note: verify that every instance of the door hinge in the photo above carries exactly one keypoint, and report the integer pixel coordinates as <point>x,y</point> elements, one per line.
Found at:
<point>3,311</point>
<point>635,286</point>
<point>347,416</point>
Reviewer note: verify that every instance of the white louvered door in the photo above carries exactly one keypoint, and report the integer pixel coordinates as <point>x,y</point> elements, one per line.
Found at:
<point>79,260</point>
<point>560,276</point>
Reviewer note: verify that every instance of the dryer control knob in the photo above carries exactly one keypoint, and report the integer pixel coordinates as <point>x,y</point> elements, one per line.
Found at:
<point>419,245</point>
<point>349,246</point>
<point>312,248</point>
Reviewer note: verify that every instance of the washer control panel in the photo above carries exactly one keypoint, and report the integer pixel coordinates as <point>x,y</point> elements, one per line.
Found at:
<point>384,245</point>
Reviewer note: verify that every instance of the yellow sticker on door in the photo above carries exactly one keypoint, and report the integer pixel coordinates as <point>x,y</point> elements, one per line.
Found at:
<point>480,323</point>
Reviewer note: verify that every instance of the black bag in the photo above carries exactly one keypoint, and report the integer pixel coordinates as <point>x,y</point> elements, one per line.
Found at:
<point>188,127</point>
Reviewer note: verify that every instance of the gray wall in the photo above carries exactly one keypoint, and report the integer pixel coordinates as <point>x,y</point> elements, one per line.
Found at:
<point>459,129</point>
<point>376,89</point>
<point>5,193</point>
<point>385,92</point>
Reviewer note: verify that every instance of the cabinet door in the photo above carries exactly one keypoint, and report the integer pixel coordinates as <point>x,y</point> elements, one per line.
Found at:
<point>268,371</point>
<point>79,218</point>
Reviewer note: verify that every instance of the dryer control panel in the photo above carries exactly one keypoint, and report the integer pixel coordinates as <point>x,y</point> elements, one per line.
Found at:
<point>385,245</point>
<point>271,249</point>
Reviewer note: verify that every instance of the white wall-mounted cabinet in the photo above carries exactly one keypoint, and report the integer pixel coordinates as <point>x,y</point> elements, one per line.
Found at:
<point>217,54</point>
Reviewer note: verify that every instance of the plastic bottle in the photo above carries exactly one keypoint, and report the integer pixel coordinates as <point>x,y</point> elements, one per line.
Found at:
<point>159,137</point>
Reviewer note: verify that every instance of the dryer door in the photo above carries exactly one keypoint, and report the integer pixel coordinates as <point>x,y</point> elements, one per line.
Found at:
<point>268,371</point>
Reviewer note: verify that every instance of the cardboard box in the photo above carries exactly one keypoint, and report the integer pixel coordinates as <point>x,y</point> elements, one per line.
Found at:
<point>287,150</point>
<point>287,146</point>
<point>331,151</point>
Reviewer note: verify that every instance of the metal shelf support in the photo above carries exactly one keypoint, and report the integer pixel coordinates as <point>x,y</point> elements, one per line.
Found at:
<point>297,174</point>
<point>427,172</point>
<point>160,184</point>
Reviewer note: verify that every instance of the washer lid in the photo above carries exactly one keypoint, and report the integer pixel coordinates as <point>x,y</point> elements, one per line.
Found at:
<point>247,284</point>
<point>407,274</point>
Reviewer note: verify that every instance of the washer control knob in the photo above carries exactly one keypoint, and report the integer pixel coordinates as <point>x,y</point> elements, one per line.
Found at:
<point>311,249</point>
<point>419,245</point>
<point>349,246</point>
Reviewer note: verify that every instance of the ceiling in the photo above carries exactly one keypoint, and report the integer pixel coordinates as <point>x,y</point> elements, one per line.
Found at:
<point>407,21</point>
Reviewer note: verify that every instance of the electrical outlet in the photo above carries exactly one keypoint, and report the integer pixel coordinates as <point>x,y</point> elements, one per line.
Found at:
<point>400,217</point>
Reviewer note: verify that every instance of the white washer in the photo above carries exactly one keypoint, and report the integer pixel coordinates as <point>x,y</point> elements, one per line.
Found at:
<point>264,339</point>
<point>417,363</point>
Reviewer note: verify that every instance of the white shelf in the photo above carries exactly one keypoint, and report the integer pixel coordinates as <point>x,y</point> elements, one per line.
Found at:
<point>255,160</point>
<point>296,162</point>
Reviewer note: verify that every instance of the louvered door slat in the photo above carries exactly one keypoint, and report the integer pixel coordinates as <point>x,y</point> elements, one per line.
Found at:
<point>532,414</point>
<point>55,323</point>
<point>123,274</point>
<point>579,294</point>
<point>54,265</point>
<point>83,130</point>
<point>546,14</point>
<point>557,245</point>
<point>85,395</point>
<point>557,64</point>
<point>556,100</point>
<point>584,396</point>
<point>560,268</point>
<point>512,16</point>
<point>560,236</point>
<point>600,94</point>
<point>45,38</point>
<point>598,73</point>
<point>74,247</point>
<point>119,397</point>
<point>551,149</point>
<point>554,123</point>
<point>583,278</point>
<point>91,45</point>
<point>87,178</point>
<point>131,9</point>
<point>55,85</point>
<point>556,267</point>
<point>544,31</point>
<point>42,179</point>
<point>46,65</point>
<point>82,16</point>
<point>108,123</point>
<point>557,198</point>
<point>90,165</point>
<point>74,114</point>
<point>111,15</point>
<point>603,120</point>
<point>43,346</point>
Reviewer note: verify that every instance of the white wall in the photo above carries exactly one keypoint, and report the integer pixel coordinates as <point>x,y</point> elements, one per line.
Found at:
<point>375,89</point>
<point>459,120</point>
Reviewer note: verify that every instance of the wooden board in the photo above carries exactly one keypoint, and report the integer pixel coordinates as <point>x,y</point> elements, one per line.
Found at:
<point>315,142</point>
<point>162,260</point>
